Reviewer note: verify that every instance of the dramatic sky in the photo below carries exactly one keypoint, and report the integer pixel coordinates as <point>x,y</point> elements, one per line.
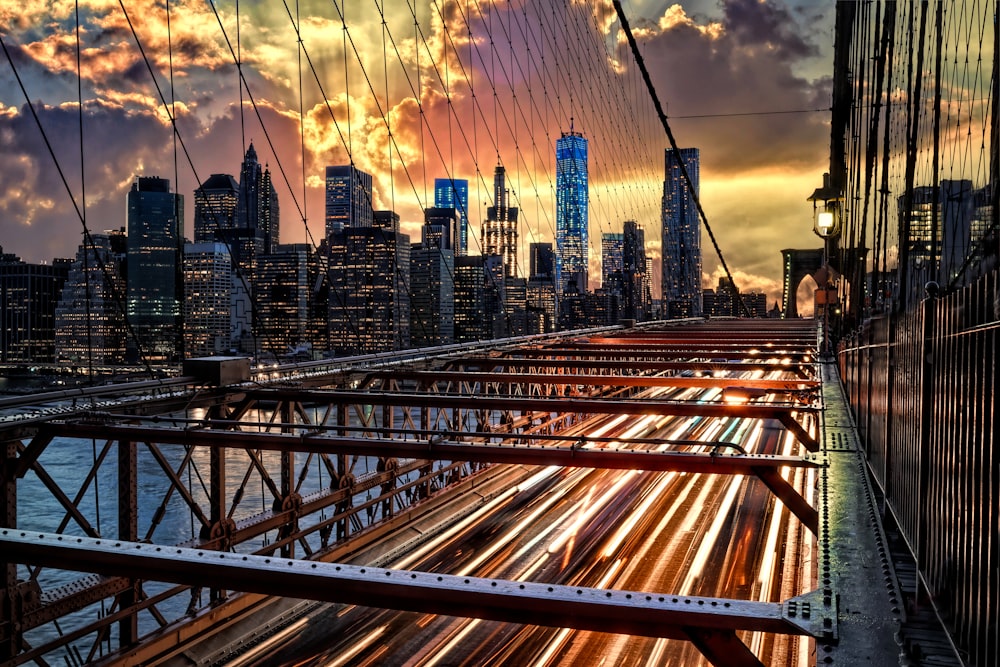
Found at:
<point>411,90</point>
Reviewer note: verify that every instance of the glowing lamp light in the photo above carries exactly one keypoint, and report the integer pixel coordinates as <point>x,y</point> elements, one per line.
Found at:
<point>824,223</point>
<point>827,203</point>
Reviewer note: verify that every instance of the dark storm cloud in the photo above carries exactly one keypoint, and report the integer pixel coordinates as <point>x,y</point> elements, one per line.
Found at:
<point>742,65</point>
<point>767,24</point>
<point>38,220</point>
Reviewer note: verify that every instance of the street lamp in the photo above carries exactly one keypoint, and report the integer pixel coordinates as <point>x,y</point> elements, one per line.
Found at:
<point>828,205</point>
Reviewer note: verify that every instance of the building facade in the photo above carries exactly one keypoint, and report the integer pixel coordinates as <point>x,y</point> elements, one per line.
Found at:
<point>90,316</point>
<point>571,210</point>
<point>681,224</point>
<point>291,308</point>
<point>29,294</point>
<point>154,278</point>
<point>637,301</point>
<point>454,193</point>
<point>500,228</point>
<point>348,199</point>
<point>369,288</point>
<point>215,207</point>
<point>208,293</point>
<point>432,286</point>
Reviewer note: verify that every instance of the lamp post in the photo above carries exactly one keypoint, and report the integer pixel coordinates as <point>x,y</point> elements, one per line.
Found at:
<point>828,203</point>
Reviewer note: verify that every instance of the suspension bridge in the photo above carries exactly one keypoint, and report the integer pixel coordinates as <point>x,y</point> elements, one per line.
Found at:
<point>726,491</point>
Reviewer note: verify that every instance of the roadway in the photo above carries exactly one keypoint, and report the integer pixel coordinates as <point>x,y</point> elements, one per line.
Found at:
<point>678,533</point>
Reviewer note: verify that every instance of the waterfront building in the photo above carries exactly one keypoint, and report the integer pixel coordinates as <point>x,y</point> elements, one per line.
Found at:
<point>90,316</point>
<point>154,278</point>
<point>208,294</point>
<point>28,297</point>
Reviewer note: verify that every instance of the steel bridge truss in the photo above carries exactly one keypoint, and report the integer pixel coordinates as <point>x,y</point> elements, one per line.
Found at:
<point>427,431</point>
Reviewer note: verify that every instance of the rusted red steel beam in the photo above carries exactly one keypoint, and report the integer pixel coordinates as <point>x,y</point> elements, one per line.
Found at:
<point>672,352</point>
<point>783,412</point>
<point>692,351</point>
<point>625,612</point>
<point>595,380</point>
<point>766,467</point>
<point>624,364</point>
<point>447,450</point>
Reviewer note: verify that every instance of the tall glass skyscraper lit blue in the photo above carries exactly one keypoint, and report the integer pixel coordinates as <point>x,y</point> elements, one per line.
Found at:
<point>571,210</point>
<point>681,236</point>
<point>454,193</point>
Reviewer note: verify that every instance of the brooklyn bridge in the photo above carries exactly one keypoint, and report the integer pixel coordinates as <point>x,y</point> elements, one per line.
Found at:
<point>663,490</point>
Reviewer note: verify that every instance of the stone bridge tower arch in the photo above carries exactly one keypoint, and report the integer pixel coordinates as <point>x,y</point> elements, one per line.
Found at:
<point>797,265</point>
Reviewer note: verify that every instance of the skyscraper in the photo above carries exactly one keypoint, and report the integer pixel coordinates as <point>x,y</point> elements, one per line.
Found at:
<point>636,301</point>
<point>541,292</point>
<point>28,297</point>
<point>471,321</point>
<point>90,320</point>
<point>208,291</point>
<point>154,275</point>
<point>432,286</point>
<point>255,231</point>
<point>681,236</point>
<point>612,246</point>
<point>571,210</point>
<point>369,272</point>
<point>500,229</point>
<point>454,193</point>
<point>348,199</point>
<point>293,317</point>
<point>215,207</point>
<point>443,223</point>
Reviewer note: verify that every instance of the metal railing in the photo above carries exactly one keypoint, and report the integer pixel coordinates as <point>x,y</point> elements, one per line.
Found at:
<point>923,387</point>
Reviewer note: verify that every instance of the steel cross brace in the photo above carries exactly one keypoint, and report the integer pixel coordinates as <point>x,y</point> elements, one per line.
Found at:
<point>710,623</point>
<point>766,467</point>
<point>784,412</point>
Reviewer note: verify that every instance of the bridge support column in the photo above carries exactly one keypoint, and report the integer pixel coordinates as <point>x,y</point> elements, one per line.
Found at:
<point>10,632</point>
<point>343,481</point>
<point>217,491</point>
<point>288,488</point>
<point>128,530</point>
<point>424,490</point>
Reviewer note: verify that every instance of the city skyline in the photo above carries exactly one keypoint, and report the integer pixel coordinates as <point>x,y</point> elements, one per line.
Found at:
<point>126,125</point>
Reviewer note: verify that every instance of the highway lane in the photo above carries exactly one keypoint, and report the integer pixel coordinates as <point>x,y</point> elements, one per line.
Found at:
<point>678,533</point>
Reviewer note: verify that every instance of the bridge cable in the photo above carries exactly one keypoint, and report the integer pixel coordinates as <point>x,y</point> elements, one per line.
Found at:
<point>673,143</point>
<point>88,239</point>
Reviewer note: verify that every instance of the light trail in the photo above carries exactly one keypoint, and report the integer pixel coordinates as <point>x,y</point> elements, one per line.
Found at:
<point>614,529</point>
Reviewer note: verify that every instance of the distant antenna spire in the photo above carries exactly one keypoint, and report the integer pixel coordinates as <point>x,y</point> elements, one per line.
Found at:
<point>570,123</point>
